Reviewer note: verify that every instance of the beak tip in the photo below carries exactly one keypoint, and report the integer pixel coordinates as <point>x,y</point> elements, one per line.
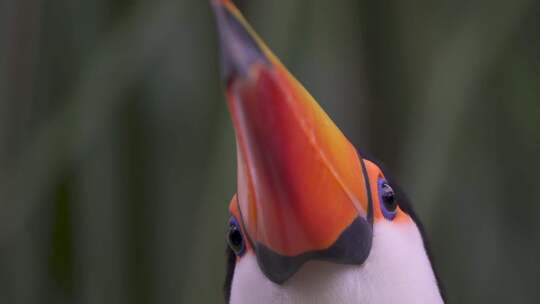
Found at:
<point>238,48</point>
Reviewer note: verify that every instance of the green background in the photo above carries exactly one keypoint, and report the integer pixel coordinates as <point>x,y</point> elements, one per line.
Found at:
<point>117,157</point>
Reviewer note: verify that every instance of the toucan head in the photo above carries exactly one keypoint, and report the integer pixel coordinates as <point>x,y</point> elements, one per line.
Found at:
<point>308,205</point>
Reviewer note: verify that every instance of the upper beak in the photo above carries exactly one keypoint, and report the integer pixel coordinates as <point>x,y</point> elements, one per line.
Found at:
<point>302,188</point>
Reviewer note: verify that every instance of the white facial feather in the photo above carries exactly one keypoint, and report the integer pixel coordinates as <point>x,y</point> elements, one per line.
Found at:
<point>396,271</point>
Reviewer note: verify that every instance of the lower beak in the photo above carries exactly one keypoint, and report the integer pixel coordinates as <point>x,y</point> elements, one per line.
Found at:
<point>302,189</point>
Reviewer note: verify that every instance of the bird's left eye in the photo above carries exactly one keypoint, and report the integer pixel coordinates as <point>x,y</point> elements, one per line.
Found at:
<point>387,199</point>
<point>235,238</point>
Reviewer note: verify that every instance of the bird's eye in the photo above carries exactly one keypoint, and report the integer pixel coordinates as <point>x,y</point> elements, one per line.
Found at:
<point>235,238</point>
<point>387,198</point>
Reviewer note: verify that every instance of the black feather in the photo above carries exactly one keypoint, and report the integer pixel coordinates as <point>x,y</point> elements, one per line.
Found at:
<point>231,263</point>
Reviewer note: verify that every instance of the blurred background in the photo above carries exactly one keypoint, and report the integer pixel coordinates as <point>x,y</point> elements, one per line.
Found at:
<point>117,157</point>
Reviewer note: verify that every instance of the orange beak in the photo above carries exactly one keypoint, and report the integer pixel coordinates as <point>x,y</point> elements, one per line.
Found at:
<point>302,189</point>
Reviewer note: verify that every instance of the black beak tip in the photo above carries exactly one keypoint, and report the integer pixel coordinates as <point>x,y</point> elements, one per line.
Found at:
<point>238,49</point>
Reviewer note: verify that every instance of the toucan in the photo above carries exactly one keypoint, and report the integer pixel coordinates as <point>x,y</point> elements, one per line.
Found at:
<point>313,220</point>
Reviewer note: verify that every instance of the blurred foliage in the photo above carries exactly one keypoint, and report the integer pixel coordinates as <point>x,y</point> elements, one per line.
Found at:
<point>117,156</point>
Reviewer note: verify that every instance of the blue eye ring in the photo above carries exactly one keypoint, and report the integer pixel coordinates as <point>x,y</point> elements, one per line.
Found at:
<point>387,199</point>
<point>235,238</point>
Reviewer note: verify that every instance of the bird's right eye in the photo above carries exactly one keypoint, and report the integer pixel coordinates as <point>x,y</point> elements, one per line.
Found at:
<point>235,238</point>
<point>388,200</point>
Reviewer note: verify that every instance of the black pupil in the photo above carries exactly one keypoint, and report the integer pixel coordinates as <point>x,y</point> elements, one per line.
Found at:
<point>235,239</point>
<point>388,197</point>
